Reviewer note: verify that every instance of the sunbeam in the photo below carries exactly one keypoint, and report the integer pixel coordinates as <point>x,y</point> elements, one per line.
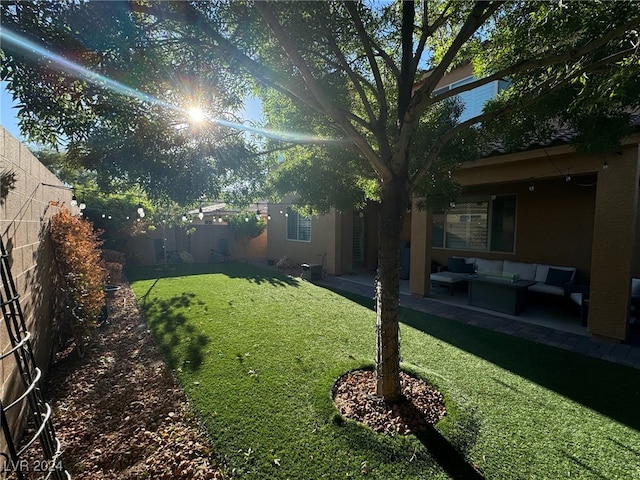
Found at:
<point>102,81</point>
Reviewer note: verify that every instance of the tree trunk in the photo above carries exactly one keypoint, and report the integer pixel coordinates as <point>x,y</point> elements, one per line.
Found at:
<point>393,206</point>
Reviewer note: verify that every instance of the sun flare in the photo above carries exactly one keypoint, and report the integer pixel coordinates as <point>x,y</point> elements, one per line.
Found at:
<point>196,114</point>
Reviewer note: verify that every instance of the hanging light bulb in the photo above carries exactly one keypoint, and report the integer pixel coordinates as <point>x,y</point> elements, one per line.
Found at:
<point>268,216</point>
<point>605,166</point>
<point>184,217</point>
<point>140,210</point>
<point>74,200</point>
<point>452,203</point>
<point>83,204</point>
<point>531,187</point>
<point>220,219</point>
<point>200,213</point>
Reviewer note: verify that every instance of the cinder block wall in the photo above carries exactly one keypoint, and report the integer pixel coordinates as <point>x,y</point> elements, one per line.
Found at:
<point>26,206</point>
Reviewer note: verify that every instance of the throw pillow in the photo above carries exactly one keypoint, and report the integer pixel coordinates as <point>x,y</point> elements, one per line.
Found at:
<point>455,264</point>
<point>558,277</point>
<point>467,268</point>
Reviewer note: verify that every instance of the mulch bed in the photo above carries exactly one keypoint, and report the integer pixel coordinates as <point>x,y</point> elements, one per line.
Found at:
<point>421,405</point>
<point>119,412</point>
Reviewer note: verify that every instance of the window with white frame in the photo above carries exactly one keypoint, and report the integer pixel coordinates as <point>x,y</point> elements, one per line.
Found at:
<point>479,224</point>
<point>298,226</point>
<point>474,100</point>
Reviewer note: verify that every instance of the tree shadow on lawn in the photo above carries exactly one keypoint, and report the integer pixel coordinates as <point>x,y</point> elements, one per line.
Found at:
<point>165,320</point>
<point>611,389</point>
<point>448,455</point>
<point>251,273</point>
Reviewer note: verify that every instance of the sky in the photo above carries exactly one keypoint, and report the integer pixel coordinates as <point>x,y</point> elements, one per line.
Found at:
<point>8,113</point>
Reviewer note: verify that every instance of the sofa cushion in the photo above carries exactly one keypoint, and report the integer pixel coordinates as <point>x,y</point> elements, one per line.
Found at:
<point>449,278</point>
<point>489,266</point>
<point>527,271</point>
<point>558,277</point>
<point>459,265</point>
<point>540,287</point>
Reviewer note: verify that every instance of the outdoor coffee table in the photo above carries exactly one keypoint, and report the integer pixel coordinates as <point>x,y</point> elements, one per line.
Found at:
<point>499,294</point>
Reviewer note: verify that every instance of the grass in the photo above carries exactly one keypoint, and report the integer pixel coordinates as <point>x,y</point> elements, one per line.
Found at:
<point>257,353</point>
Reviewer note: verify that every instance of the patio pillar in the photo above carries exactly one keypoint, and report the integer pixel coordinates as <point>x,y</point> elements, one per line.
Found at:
<point>612,253</point>
<point>338,245</point>
<point>420,265</point>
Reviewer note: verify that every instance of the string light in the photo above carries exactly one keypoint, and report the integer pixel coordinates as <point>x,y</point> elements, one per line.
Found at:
<point>200,213</point>
<point>140,210</point>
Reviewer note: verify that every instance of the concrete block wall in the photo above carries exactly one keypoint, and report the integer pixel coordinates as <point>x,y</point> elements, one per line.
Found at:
<point>26,207</point>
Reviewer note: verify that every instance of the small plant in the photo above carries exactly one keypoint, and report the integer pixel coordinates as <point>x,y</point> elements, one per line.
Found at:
<point>83,275</point>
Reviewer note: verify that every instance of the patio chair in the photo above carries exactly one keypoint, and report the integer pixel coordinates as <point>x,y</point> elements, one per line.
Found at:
<point>221,253</point>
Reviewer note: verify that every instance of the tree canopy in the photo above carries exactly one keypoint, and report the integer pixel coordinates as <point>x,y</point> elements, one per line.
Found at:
<point>350,89</point>
<point>115,91</point>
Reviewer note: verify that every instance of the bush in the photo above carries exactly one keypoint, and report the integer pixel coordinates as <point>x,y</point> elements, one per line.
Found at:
<point>113,256</point>
<point>83,275</point>
<point>285,263</point>
<point>114,272</point>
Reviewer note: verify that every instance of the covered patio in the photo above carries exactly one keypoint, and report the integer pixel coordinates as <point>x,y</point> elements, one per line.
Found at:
<point>568,209</point>
<point>547,324</point>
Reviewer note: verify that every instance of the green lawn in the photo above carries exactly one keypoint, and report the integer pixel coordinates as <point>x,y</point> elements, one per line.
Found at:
<point>257,353</point>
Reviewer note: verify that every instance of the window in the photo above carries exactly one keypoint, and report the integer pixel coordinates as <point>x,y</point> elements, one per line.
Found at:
<point>481,224</point>
<point>475,99</point>
<point>298,227</point>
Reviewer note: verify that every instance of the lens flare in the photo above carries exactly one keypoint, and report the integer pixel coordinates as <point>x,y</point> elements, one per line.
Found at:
<point>81,72</point>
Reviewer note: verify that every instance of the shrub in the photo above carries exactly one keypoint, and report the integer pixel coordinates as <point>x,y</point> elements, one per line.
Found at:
<point>82,272</point>
<point>286,263</point>
<point>114,272</point>
<point>113,256</point>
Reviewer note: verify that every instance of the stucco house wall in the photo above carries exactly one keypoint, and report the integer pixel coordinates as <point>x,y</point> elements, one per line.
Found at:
<point>326,246</point>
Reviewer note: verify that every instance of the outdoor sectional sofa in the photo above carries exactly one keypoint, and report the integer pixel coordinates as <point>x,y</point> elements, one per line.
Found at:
<point>550,279</point>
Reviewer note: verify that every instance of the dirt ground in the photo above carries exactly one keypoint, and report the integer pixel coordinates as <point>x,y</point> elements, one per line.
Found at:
<point>119,412</point>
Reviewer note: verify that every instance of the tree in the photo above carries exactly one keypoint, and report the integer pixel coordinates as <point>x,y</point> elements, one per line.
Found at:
<point>246,226</point>
<point>131,126</point>
<point>360,78</point>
